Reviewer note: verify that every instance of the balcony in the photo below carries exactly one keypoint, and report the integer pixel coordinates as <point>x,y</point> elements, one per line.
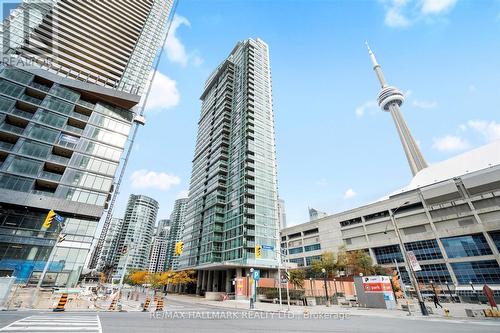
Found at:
<point>31,100</point>
<point>40,86</point>
<point>85,104</point>
<point>22,114</point>
<point>11,128</point>
<point>79,116</point>
<point>58,159</point>
<point>66,144</point>
<point>55,177</point>
<point>6,146</point>
<point>73,129</point>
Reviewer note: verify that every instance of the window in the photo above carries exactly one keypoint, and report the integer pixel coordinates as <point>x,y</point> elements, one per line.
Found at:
<point>425,250</point>
<point>15,183</point>
<point>435,272</point>
<point>42,133</point>
<point>486,271</point>
<point>58,105</point>
<point>495,235</point>
<point>50,118</point>
<point>17,75</point>
<point>34,149</point>
<point>387,254</point>
<point>65,93</point>
<point>11,89</point>
<point>313,247</point>
<point>298,261</point>
<point>466,246</point>
<point>309,260</point>
<point>295,250</point>
<point>6,104</point>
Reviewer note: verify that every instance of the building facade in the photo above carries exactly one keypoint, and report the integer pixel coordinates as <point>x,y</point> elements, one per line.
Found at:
<point>177,219</point>
<point>134,245</point>
<point>71,78</point>
<point>281,213</point>
<point>110,245</point>
<point>233,193</point>
<point>449,216</point>
<point>159,247</point>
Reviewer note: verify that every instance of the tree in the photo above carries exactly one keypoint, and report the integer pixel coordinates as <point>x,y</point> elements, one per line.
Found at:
<point>359,262</point>
<point>183,277</point>
<point>327,262</point>
<point>297,277</point>
<point>137,277</point>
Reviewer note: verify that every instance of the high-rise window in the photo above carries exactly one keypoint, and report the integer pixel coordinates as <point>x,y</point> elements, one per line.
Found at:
<point>466,246</point>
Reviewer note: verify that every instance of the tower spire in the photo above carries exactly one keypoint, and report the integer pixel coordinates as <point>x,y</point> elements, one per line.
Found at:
<point>390,99</point>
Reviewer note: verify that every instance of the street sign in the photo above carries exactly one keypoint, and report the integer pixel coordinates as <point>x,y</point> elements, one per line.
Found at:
<point>489,295</point>
<point>413,261</point>
<point>256,275</point>
<point>268,247</point>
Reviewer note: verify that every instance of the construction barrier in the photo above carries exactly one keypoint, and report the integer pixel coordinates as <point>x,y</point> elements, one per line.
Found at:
<point>62,302</point>
<point>146,304</point>
<point>112,306</point>
<point>159,303</point>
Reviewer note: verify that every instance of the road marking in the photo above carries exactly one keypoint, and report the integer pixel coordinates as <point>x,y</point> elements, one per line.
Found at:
<point>56,323</point>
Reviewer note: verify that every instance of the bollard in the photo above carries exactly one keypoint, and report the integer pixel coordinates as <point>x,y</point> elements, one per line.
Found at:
<point>62,302</point>
<point>446,312</point>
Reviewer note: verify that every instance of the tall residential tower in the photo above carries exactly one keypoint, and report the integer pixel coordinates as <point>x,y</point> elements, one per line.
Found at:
<point>233,193</point>
<point>390,99</point>
<point>72,74</point>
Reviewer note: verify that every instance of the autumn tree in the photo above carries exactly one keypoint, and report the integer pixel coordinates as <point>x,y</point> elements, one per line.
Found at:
<point>326,262</point>
<point>137,277</point>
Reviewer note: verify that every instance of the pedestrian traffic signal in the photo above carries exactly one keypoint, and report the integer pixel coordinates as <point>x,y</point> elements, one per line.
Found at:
<point>49,219</point>
<point>258,251</point>
<point>62,237</point>
<point>179,247</point>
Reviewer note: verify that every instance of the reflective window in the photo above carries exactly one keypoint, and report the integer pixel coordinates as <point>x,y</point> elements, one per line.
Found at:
<point>11,89</point>
<point>35,149</point>
<point>486,271</point>
<point>50,118</point>
<point>313,247</point>
<point>17,75</point>
<point>43,133</point>
<point>25,166</point>
<point>433,272</point>
<point>64,92</point>
<point>425,250</point>
<point>309,260</point>
<point>57,105</point>
<point>295,250</point>
<point>298,261</point>
<point>6,104</point>
<point>495,235</point>
<point>387,254</point>
<point>16,183</point>
<point>466,246</point>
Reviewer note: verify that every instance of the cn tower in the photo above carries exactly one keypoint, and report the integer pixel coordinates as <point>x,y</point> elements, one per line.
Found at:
<point>390,99</point>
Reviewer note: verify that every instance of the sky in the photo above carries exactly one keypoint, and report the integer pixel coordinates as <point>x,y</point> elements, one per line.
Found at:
<point>335,149</point>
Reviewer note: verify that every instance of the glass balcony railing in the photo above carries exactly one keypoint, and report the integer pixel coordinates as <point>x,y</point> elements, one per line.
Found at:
<point>46,193</point>
<point>79,116</point>
<point>6,145</point>
<point>11,128</point>
<point>40,86</point>
<point>50,176</point>
<point>58,159</point>
<point>85,104</point>
<point>73,129</point>
<point>66,144</point>
<point>31,99</point>
<point>20,113</point>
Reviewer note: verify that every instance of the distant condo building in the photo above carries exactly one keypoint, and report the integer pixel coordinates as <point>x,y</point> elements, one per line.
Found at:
<point>137,234</point>
<point>159,246</point>
<point>72,74</point>
<point>233,193</point>
<point>110,246</point>
<point>281,213</point>
<point>177,218</point>
<point>315,214</point>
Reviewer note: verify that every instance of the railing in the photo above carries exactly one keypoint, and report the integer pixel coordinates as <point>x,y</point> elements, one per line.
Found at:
<point>39,86</point>
<point>66,144</point>
<point>50,176</point>
<point>6,145</point>
<point>31,99</point>
<point>20,113</point>
<point>58,159</point>
<point>46,193</point>
<point>86,104</point>
<point>11,128</point>
<point>73,129</point>
<point>79,116</point>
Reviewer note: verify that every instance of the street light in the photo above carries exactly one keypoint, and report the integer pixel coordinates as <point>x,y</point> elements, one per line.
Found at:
<point>474,291</point>
<point>412,275</point>
<point>251,298</point>
<point>311,283</point>
<point>248,285</point>
<point>449,291</point>
<point>326,286</point>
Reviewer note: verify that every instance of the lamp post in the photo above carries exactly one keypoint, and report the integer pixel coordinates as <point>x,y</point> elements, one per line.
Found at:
<point>326,286</point>
<point>412,275</point>
<point>248,285</point>
<point>253,281</point>
<point>474,291</point>
<point>311,283</point>
<point>449,291</point>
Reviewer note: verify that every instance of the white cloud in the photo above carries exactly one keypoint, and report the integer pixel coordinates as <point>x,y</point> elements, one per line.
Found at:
<point>450,143</point>
<point>183,194</point>
<point>489,129</point>
<point>164,93</point>
<point>437,6</point>
<point>142,179</point>
<point>404,13</point>
<point>176,51</point>
<point>349,194</point>
<point>424,104</point>
<point>360,110</point>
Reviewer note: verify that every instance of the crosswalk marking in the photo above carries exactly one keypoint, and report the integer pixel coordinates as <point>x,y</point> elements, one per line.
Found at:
<point>56,323</point>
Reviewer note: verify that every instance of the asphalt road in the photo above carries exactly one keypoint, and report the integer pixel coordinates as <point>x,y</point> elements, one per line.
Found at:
<point>186,317</point>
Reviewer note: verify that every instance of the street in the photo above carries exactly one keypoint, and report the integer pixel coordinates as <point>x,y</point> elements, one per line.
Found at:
<point>187,317</point>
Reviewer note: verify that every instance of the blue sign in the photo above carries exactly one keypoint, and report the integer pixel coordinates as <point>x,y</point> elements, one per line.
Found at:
<point>256,275</point>
<point>268,247</point>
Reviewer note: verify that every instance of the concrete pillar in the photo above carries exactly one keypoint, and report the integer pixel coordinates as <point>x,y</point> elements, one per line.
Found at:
<point>210,280</point>
<point>229,281</point>
<point>204,281</point>
<point>215,281</point>
<point>199,282</point>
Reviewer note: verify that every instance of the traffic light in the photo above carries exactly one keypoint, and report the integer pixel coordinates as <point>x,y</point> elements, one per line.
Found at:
<point>179,247</point>
<point>258,251</point>
<point>49,219</point>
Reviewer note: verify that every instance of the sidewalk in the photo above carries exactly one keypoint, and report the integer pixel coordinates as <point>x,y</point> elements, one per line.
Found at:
<point>457,310</point>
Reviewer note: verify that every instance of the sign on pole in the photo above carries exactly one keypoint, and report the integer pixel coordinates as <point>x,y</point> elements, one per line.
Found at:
<point>256,275</point>
<point>268,247</point>
<point>413,261</point>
